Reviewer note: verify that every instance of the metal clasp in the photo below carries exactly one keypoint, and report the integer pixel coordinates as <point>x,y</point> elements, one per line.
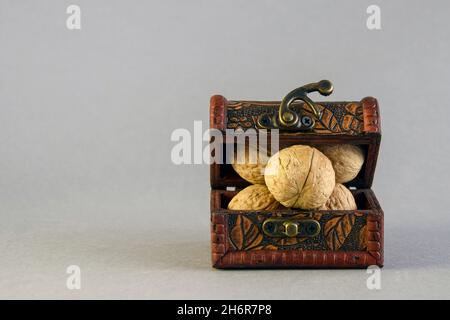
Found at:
<point>290,228</point>
<point>287,118</point>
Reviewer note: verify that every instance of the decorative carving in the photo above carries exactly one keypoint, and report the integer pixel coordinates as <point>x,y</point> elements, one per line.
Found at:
<point>218,238</point>
<point>295,258</point>
<point>375,237</point>
<point>363,238</point>
<point>270,255</point>
<point>340,232</point>
<point>371,114</point>
<point>336,117</point>
<point>217,112</point>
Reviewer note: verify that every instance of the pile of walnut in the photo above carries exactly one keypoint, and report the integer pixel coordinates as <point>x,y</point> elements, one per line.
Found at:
<point>299,177</point>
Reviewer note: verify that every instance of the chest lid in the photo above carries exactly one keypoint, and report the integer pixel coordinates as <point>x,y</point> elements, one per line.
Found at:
<point>297,120</point>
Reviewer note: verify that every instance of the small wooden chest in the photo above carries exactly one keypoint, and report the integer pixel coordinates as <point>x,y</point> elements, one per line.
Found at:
<point>347,239</point>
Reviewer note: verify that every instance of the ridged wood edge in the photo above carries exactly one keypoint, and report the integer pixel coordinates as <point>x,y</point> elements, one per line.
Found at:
<point>375,237</point>
<point>218,112</point>
<point>218,239</point>
<point>371,115</point>
<point>293,259</point>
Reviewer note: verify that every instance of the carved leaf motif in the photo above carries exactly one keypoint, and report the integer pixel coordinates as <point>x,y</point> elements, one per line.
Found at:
<point>270,247</point>
<point>363,238</point>
<point>337,230</point>
<point>287,241</point>
<point>255,241</point>
<point>329,121</point>
<point>237,232</point>
<point>353,108</point>
<point>317,216</point>
<point>347,122</point>
<point>244,234</point>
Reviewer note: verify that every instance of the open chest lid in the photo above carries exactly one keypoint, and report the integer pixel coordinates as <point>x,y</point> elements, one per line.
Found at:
<point>298,120</point>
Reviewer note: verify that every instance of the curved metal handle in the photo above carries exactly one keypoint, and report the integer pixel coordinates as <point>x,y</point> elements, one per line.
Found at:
<point>288,117</point>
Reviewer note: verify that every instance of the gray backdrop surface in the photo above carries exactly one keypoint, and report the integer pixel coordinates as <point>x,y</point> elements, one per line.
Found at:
<point>85,122</point>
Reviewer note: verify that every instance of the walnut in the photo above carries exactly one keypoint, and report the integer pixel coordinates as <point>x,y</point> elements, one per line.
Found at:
<point>250,165</point>
<point>300,177</point>
<point>347,160</point>
<point>254,197</point>
<point>340,199</point>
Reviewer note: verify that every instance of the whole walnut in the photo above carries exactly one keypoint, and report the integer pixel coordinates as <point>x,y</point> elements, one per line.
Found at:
<point>340,199</point>
<point>300,177</point>
<point>254,197</point>
<point>347,160</point>
<point>250,164</point>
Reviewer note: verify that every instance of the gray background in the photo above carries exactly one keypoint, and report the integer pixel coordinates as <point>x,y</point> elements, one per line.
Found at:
<point>86,117</point>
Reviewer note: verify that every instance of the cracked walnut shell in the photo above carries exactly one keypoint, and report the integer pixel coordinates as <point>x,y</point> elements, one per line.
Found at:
<point>340,199</point>
<point>250,165</point>
<point>300,177</point>
<point>347,160</point>
<point>254,197</point>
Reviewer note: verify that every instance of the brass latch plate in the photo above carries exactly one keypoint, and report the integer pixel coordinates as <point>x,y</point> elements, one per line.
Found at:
<point>289,228</point>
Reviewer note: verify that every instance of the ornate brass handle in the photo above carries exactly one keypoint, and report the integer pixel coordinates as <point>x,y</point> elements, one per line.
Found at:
<point>287,118</point>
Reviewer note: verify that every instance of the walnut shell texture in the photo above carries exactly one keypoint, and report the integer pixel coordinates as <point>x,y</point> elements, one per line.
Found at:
<point>300,177</point>
<point>347,160</point>
<point>254,197</point>
<point>340,199</point>
<point>251,168</point>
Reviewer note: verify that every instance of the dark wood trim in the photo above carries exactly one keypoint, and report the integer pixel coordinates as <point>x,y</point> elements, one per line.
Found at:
<point>375,230</point>
<point>218,112</point>
<point>293,259</point>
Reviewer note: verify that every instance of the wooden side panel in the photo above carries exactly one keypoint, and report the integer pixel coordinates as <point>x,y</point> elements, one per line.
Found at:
<point>317,254</point>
